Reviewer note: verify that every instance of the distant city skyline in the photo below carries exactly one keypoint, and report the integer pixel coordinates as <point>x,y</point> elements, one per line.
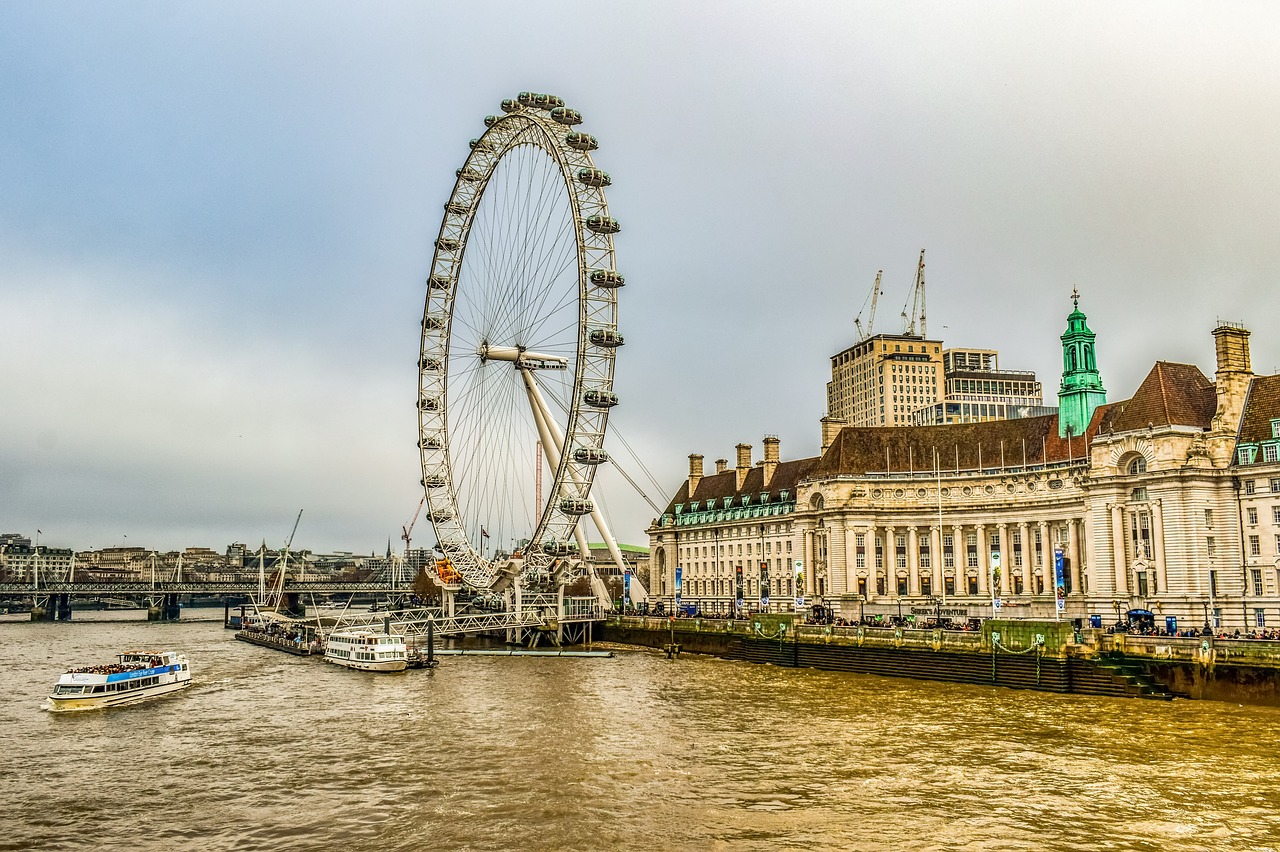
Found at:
<point>217,220</point>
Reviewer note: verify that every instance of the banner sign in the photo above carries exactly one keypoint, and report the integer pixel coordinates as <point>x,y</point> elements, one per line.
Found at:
<point>737,586</point>
<point>764,585</point>
<point>626,589</point>
<point>679,574</point>
<point>1059,582</point>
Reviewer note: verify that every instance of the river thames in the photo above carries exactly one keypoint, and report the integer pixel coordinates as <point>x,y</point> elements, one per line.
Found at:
<point>268,751</point>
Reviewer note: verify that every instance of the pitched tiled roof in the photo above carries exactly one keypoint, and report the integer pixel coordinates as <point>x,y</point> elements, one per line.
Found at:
<point>1261,406</point>
<point>720,485</point>
<point>965,446</point>
<point>1171,395</point>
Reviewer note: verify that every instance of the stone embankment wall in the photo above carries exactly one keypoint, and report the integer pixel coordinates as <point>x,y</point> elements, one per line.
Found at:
<point>1244,671</point>
<point>1047,656</point>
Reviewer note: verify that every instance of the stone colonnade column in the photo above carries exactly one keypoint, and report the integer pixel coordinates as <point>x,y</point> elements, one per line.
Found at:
<point>870,549</point>
<point>1157,544</point>
<point>1073,554</point>
<point>1117,550</point>
<point>1006,561</point>
<point>913,561</point>
<point>984,560</point>
<point>1046,556</point>
<point>935,559</point>
<point>958,558</point>
<point>1024,536</point>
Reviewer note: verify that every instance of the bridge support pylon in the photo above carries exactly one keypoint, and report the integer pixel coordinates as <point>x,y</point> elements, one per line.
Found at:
<point>163,607</point>
<point>51,607</point>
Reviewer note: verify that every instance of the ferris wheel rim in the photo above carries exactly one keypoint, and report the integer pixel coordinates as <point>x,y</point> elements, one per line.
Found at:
<point>596,284</point>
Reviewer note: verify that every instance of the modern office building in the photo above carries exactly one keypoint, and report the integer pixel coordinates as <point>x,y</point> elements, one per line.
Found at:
<point>975,389</point>
<point>882,380</point>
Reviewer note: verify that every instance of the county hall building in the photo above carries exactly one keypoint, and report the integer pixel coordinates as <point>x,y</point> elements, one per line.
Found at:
<point>1167,503</point>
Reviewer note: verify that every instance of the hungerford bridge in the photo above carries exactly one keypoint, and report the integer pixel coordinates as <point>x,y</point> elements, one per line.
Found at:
<point>516,613</point>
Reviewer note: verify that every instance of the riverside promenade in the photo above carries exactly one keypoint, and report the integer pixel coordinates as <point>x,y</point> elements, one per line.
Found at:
<point>1042,655</point>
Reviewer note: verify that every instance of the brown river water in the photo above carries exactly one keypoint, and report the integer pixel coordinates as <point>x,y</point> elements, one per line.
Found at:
<point>273,752</point>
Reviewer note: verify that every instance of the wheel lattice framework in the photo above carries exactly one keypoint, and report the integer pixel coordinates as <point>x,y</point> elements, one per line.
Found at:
<point>540,121</point>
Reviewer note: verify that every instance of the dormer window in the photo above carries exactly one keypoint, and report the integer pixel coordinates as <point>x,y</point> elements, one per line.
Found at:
<point>764,497</point>
<point>693,507</point>
<point>1246,455</point>
<point>1275,428</point>
<point>679,508</point>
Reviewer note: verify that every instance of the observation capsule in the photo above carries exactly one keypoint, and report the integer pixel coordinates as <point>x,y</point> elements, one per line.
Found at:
<point>429,403</point>
<point>440,282</point>
<point>548,102</point>
<point>510,105</point>
<point>435,323</point>
<point>600,398</point>
<point>435,481</point>
<point>469,174</point>
<point>480,144</point>
<point>606,337</point>
<point>525,99</point>
<point>447,244</point>
<point>576,506</point>
<point>606,278</point>
<point>441,515</point>
<point>594,177</point>
<point>491,120</point>
<point>552,547</point>
<point>590,455</point>
<point>457,209</point>
<point>581,141</point>
<point>431,442</point>
<point>603,224</point>
<point>566,116</point>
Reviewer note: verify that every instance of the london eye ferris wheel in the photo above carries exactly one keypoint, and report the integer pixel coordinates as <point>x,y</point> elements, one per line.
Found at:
<point>519,334</point>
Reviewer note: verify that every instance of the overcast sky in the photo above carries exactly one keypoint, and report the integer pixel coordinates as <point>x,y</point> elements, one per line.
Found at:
<point>215,220</point>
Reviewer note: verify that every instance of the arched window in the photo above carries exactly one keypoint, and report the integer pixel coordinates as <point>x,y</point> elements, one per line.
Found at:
<point>1088,358</point>
<point>816,502</point>
<point>1071,359</point>
<point>1138,465</point>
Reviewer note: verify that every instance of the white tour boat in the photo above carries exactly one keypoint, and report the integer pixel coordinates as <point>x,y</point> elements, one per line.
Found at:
<point>367,651</point>
<point>135,676</point>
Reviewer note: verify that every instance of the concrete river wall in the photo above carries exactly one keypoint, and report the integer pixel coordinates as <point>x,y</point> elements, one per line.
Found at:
<point>1045,655</point>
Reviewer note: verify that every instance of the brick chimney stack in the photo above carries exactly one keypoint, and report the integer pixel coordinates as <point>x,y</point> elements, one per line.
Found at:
<point>831,427</point>
<point>695,472</point>
<point>744,463</point>
<point>771,444</point>
<point>1233,376</point>
<point>722,465</point>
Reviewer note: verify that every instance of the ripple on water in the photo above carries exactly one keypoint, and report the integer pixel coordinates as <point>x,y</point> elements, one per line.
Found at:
<point>267,751</point>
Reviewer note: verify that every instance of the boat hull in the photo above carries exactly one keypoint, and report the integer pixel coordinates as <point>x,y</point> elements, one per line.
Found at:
<point>371,666</point>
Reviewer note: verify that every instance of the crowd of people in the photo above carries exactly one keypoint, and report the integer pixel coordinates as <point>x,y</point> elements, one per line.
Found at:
<point>116,668</point>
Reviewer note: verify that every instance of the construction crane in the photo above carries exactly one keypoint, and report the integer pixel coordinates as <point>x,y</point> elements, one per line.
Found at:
<point>916,299</point>
<point>407,530</point>
<point>863,334</point>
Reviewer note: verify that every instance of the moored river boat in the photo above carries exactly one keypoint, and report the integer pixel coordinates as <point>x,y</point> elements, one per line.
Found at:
<point>367,651</point>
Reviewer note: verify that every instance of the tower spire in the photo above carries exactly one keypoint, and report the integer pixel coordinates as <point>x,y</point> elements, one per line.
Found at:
<point>1081,392</point>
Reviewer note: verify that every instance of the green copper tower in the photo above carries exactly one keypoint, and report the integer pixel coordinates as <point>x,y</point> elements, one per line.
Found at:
<point>1081,392</point>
